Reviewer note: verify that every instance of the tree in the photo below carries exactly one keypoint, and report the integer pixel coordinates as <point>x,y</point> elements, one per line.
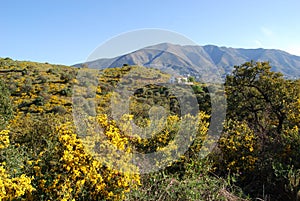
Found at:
<point>191,79</point>
<point>269,105</point>
<point>258,95</point>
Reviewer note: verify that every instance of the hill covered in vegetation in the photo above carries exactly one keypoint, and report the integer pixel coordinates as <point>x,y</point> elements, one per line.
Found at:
<point>44,156</point>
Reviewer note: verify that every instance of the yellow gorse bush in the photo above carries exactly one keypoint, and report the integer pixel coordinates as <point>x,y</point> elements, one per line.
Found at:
<point>4,139</point>
<point>16,187</point>
<point>239,143</point>
<point>12,187</point>
<point>78,175</point>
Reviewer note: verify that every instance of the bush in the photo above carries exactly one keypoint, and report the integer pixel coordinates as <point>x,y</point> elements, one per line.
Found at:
<point>238,147</point>
<point>198,183</point>
<point>6,110</point>
<point>14,183</point>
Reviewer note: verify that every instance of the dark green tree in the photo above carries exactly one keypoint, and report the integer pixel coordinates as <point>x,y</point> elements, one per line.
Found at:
<point>258,95</point>
<point>267,102</point>
<point>191,79</point>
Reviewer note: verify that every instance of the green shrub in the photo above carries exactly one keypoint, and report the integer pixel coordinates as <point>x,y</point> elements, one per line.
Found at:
<point>6,110</point>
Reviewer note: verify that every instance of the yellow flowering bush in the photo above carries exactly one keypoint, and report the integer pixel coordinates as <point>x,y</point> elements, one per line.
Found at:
<point>11,187</point>
<point>238,146</point>
<point>112,132</point>
<point>201,137</point>
<point>72,172</point>
<point>4,139</point>
<point>157,140</point>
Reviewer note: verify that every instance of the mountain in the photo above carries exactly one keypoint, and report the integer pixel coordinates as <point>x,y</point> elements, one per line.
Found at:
<point>195,60</point>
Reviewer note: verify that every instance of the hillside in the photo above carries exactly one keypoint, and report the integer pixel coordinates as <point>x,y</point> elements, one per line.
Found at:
<point>45,88</point>
<point>86,134</point>
<point>194,60</point>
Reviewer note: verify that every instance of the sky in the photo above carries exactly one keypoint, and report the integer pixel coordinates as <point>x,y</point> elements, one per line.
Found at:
<point>68,31</point>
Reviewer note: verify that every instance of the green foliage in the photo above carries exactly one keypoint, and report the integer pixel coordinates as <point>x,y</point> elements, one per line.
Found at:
<point>6,110</point>
<point>196,183</point>
<point>191,79</point>
<point>68,75</point>
<point>197,89</point>
<point>267,104</point>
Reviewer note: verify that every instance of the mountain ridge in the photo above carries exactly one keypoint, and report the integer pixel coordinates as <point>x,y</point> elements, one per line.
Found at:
<point>194,59</point>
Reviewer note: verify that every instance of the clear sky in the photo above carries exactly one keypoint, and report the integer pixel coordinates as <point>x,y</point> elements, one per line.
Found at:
<point>67,31</point>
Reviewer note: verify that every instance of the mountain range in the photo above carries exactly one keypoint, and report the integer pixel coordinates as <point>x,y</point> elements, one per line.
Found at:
<point>194,60</point>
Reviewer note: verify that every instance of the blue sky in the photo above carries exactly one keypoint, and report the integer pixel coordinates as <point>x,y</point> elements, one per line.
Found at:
<point>67,31</point>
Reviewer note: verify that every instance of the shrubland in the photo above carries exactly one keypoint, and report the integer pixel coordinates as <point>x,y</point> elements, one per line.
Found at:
<point>44,156</point>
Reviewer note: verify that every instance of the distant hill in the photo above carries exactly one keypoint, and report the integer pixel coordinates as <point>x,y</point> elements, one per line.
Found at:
<point>192,60</point>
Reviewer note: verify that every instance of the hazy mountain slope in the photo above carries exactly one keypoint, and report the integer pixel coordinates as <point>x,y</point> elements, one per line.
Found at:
<point>182,60</point>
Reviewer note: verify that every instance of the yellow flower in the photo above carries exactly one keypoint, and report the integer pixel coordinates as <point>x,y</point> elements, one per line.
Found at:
<point>4,139</point>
